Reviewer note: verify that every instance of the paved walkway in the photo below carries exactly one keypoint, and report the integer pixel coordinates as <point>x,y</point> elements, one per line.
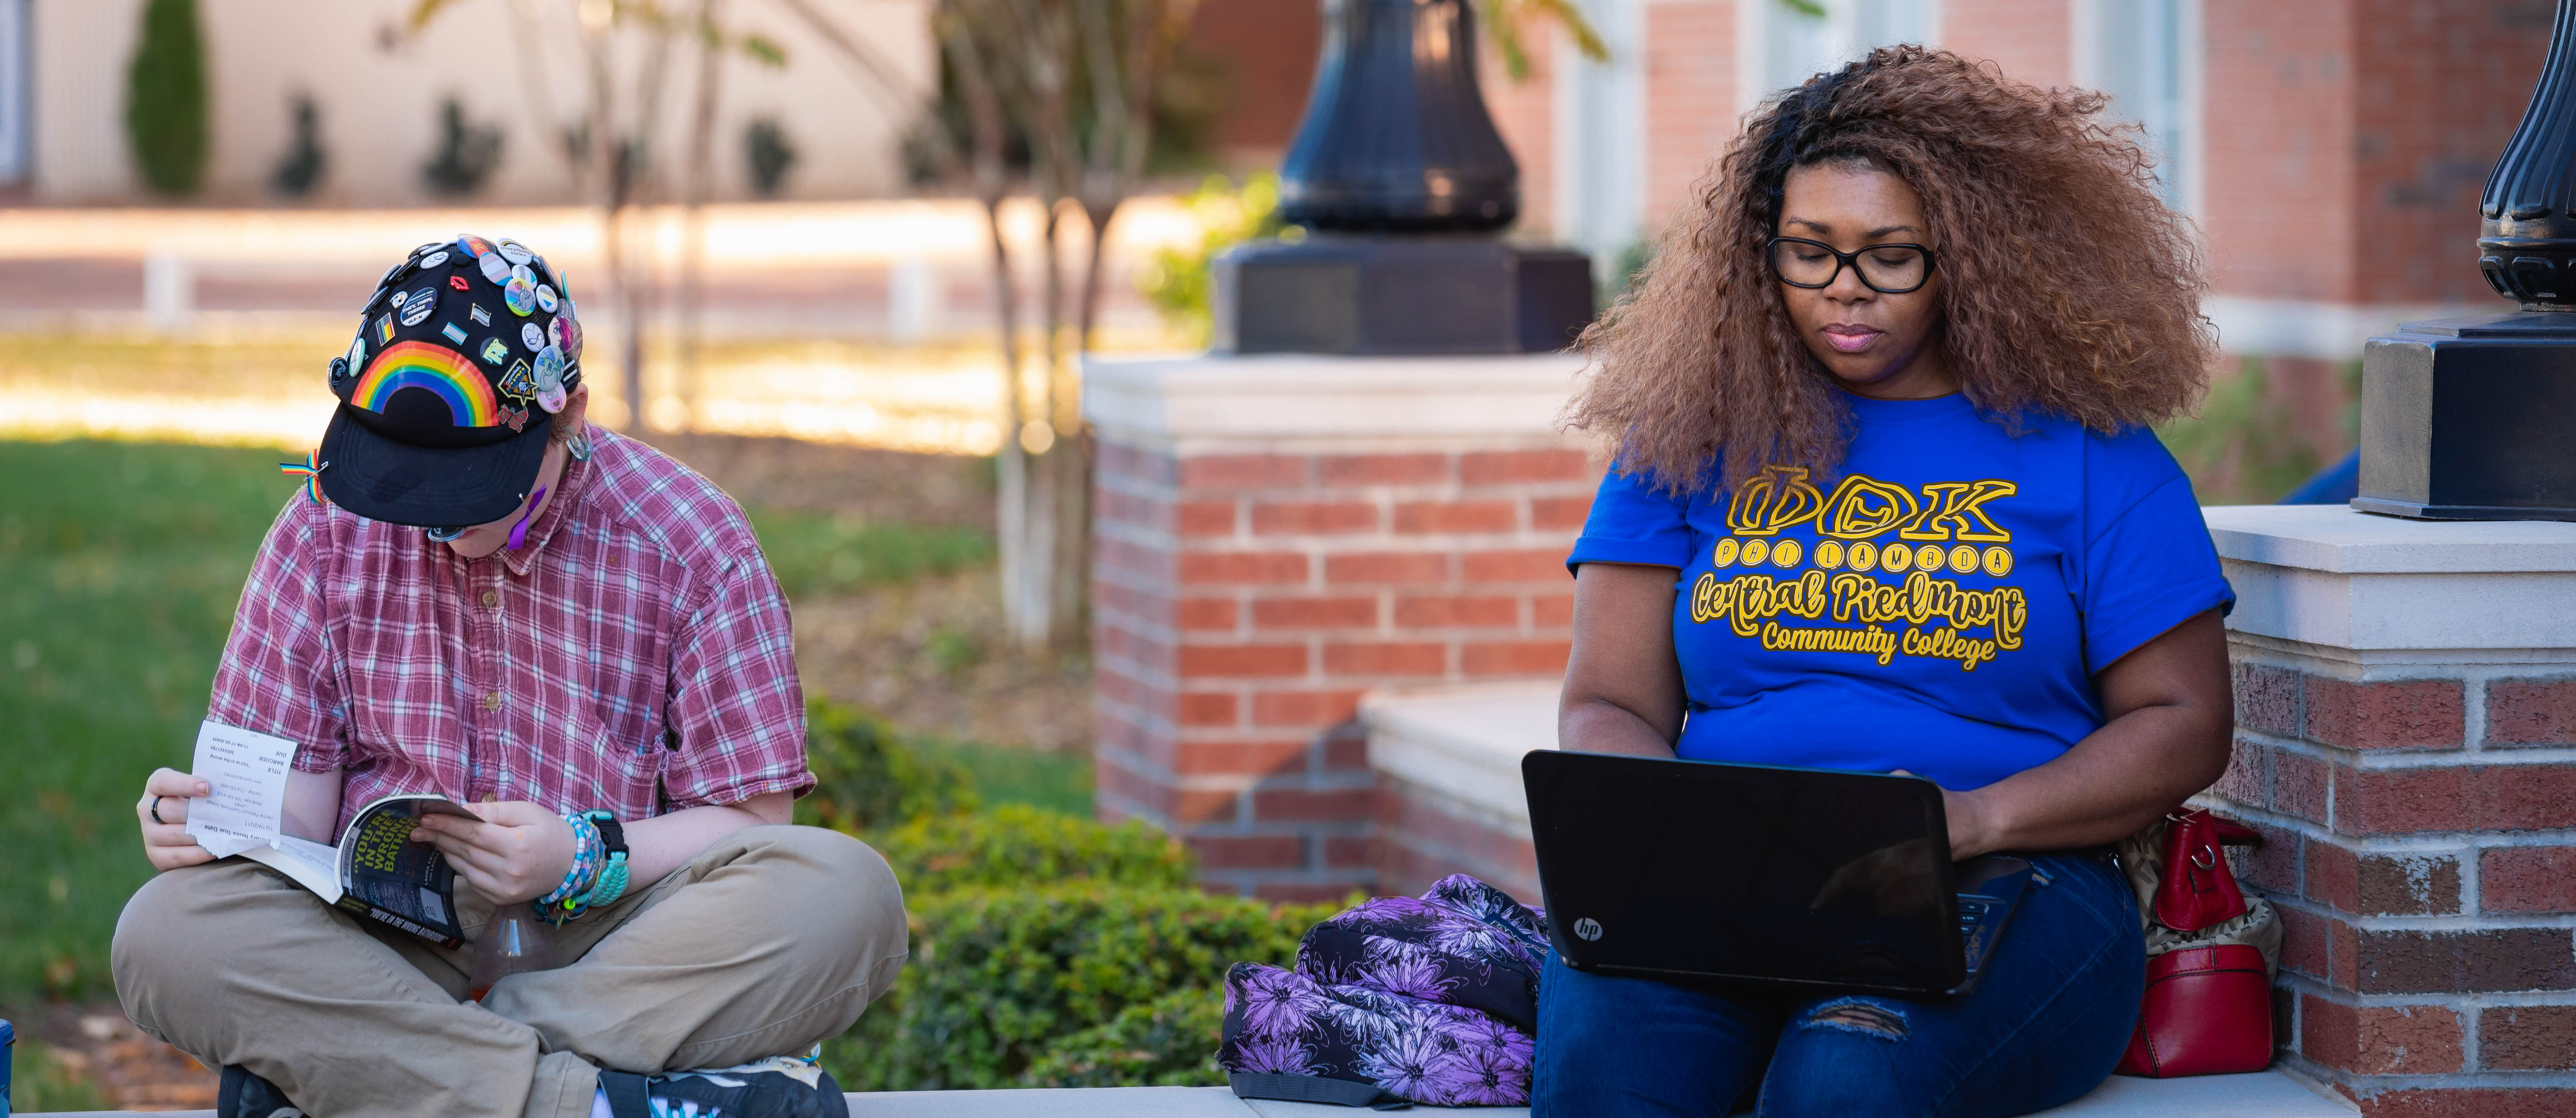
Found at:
<point>898,293</point>
<point>2267,1095</point>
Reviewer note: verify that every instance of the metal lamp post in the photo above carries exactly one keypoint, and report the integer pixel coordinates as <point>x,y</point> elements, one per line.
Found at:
<point>2475,418</point>
<point>1398,181</point>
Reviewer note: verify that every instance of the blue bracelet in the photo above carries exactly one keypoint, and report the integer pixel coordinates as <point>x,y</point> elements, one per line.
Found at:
<point>584,871</point>
<point>612,883</point>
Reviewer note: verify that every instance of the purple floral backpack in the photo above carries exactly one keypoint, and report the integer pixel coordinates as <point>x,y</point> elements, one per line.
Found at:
<point>1428,1000</point>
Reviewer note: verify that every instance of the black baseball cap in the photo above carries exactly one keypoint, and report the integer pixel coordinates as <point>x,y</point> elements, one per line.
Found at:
<point>463,354</point>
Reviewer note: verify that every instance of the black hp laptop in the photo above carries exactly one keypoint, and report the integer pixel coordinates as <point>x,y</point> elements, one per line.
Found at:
<point>1815,878</point>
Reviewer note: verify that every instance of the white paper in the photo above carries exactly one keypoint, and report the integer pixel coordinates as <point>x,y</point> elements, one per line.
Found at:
<point>310,864</point>
<point>247,772</point>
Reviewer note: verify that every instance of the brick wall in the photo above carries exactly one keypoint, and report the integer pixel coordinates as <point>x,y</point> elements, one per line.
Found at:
<point>1524,112</point>
<point>2028,38</point>
<point>1425,834</point>
<point>2279,183</point>
<point>1691,114</point>
<point>2442,85</point>
<point>2421,844</point>
<point>2358,179</point>
<point>1245,601</point>
<point>1266,51</point>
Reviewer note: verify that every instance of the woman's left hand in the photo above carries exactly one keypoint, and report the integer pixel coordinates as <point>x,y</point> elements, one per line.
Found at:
<point>1971,832</point>
<point>517,852</point>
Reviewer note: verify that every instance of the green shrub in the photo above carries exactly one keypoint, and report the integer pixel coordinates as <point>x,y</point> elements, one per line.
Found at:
<point>866,776</point>
<point>1003,982</point>
<point>1020,845</point>
<point>301,169</point>
<point>466,155</point>
<point>766,150</point>
<point>1168,1042</point>
<point>165,98</point>
<point>2243,448</point>
<point>1177,280</point>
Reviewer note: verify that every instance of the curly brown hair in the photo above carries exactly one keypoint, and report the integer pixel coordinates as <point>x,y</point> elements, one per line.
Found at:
<point>2068,287</point>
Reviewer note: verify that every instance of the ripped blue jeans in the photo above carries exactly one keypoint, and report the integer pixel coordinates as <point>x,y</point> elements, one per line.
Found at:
<point>2044,1026</point>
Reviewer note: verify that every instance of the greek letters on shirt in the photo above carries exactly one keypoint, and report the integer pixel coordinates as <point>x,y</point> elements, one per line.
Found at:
<point>1897,570</point>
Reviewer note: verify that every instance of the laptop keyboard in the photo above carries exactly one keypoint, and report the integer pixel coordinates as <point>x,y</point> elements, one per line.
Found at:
<point>1972,918</point>
<point>1972,911</point>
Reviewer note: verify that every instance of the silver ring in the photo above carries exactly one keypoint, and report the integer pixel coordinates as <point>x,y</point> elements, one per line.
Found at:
<point>156,811</point>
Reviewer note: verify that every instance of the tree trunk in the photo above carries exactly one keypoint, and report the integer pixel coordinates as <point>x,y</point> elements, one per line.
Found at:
<point>1012,524</point>
<point>693,228</point>
<point>525,31</point>
<point>1074,542</point>
<point>633,173</point>
<point>958,31</point>
<point>1035,614</point>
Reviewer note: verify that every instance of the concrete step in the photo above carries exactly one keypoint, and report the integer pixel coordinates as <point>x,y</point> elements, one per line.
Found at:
<point>2268,1094</point>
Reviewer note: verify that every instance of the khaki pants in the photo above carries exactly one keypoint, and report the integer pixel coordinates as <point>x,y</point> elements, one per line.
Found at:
<point>768,941</point>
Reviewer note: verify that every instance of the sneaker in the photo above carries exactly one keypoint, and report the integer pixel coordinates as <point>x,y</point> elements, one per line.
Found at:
<point>244,1095</point>
<point>804,1091</point>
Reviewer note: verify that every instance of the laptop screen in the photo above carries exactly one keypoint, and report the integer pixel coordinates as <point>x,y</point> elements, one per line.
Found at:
<point>1791,875</point>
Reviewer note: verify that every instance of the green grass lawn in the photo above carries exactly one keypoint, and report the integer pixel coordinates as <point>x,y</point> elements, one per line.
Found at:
<point>119,567</point>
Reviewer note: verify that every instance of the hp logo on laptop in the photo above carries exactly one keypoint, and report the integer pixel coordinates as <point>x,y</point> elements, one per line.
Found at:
<point>1587,929</point>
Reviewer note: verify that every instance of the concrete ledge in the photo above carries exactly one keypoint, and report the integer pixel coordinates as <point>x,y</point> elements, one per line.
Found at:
<point>2269,1094</point>
<point>1448,763</point>
<point>1177,397</point>
<point>2329,576</point>
<point>2343,540</point>
<point>1464,742</point>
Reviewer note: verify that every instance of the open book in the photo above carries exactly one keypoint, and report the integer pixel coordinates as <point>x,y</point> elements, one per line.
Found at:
<point>375,871</point>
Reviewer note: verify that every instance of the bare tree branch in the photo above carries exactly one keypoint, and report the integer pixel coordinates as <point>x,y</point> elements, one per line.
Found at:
<point>855,51</point>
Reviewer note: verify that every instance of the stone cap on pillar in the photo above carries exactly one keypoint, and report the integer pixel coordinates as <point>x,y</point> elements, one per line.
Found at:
<point>1293,398</point>
<point>2338,578</point>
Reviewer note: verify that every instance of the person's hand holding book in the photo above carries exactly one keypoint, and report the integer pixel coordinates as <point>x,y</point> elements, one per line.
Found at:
<point>517,852</point>
<point>166,841</point>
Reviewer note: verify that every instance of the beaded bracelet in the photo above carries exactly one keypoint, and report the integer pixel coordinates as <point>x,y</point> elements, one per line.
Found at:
<point>587,846</point>
<point>611,885</point>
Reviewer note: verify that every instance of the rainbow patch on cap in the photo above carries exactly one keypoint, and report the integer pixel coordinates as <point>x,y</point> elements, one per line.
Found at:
<point>440,370</point>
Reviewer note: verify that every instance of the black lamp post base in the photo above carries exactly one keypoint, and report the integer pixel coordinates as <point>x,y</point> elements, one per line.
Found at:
<point>2471,419</point>
<point>1363,294</point>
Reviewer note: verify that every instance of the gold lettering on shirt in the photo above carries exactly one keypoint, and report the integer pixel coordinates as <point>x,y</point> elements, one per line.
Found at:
<point>1776,498</point>
<point>1862,507</point>
<point>1917,614</point>
<point>1960,509</point>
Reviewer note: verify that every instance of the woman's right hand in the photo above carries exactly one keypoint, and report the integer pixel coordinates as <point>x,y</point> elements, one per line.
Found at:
<point>167,842</point>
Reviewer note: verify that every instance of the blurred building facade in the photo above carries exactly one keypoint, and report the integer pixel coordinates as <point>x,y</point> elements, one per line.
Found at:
<point>515,66</point>
<point>2331,150</point>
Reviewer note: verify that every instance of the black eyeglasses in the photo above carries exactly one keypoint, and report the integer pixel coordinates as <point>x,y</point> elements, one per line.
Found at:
<point>1886,269</point>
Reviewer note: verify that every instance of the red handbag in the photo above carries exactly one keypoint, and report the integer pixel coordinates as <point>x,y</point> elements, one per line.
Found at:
<point>2210,953</point>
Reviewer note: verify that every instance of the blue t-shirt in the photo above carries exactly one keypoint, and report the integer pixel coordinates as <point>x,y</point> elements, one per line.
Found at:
<point>1939,606</point>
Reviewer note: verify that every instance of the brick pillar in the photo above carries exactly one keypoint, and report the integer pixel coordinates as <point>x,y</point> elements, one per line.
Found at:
<point>1276,536</point>
<point>2406,741</point>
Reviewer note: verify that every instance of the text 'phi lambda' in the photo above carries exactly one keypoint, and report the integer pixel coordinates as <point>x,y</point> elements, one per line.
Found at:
<point>1862,507</point>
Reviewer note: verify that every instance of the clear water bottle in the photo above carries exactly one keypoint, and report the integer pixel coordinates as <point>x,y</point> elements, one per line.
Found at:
<point>515,941</point>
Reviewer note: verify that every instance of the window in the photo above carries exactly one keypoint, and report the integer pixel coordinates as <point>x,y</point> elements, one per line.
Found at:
<point>1787,46</point>
<point>1600,171</point>
<point>2145,54</point>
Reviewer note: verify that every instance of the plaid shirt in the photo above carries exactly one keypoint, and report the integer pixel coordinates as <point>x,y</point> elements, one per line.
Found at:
<point>635,655</point>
